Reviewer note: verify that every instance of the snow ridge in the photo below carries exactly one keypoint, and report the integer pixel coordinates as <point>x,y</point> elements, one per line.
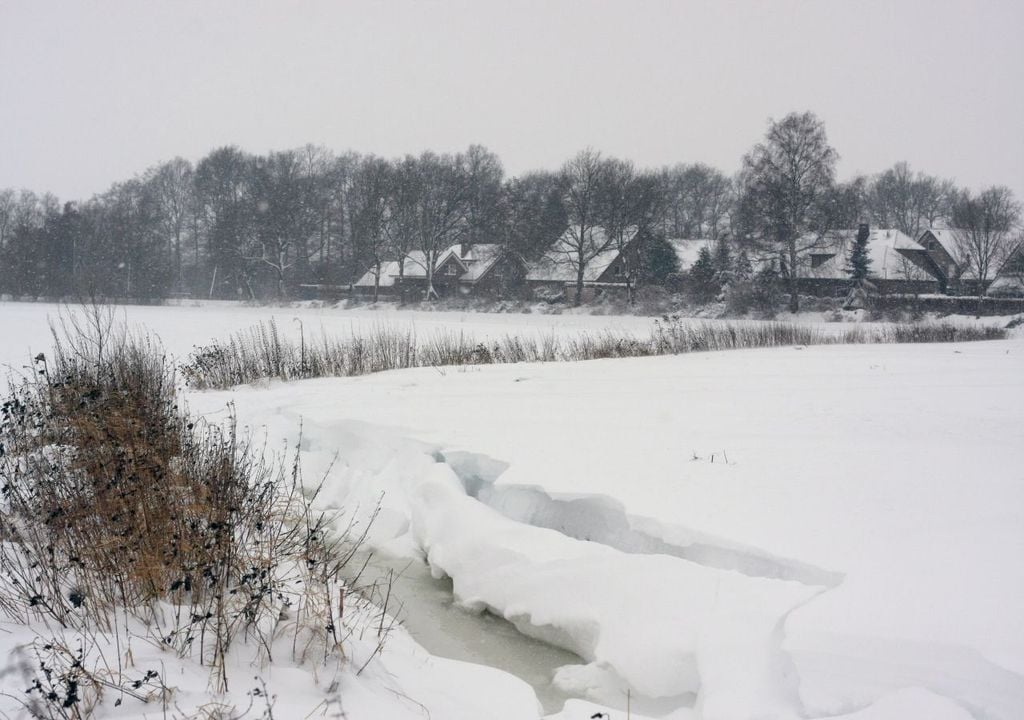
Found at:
<point>811,676</point>
<point>603,519</point>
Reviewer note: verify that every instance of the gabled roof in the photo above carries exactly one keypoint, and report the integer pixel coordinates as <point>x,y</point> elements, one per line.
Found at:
<point>946,237</point>
<point>449,257</point>
<point>479,260</point>
<point>943,236</point>
<point>476,263</point>
<point>892,255</point>
<point>559,263</point>
<point>388,273</point>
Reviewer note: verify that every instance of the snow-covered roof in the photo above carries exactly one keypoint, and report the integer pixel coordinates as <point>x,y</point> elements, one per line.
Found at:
<point>477,261</point>
<point>388,273</point>
<point>946,238</point>
<point>688,249</point>
<point>1008,285</point>
<point>559,263</point>
<point>889,250</point>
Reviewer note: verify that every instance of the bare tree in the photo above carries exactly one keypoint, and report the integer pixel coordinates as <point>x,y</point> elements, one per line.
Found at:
<point>582,178</point>
<point>325,184</point>
<point>401,212</point>
<point>442,209</point>
<point>909,202</point>
<point>23,208</point>
<point>532,214</point>
<point>8,201</point>
<point>631,205</point>
<point>785,180</point>
<point>172,186</point>
<point>698,201</point>
<point>368,199</point>
<point>221,185</point>
<point>484,175</point>
<point>614,211</point>
<point>984,231</point>
<point>286,219</point>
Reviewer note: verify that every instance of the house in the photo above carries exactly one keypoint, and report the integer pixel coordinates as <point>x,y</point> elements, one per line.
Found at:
<point>461,269</point>
<point>1009,281</point>
<point>898,263</point>
<point>941,247</point>
<point>962,277</point>
<point>607,267</point>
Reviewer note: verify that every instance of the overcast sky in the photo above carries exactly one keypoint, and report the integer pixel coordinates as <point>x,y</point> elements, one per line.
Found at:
<point>93,92</point>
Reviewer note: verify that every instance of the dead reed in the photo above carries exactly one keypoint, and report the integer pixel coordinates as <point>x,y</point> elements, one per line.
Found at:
<point>262,353</point>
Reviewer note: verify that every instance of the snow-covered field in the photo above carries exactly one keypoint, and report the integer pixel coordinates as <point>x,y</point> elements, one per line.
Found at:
<point>182,328</point>
<point>784,533</point>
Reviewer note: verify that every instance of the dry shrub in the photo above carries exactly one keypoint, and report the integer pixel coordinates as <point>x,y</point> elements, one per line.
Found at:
<point>118,512</point>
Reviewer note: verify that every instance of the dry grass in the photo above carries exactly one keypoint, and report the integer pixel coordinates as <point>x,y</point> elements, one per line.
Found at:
<point>261,353</point>
<point>118,512</point>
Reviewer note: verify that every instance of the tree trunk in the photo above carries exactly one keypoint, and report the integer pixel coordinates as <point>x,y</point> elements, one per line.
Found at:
<point>580,267</point>
<point>401,281</point>
<point>177,255</point>
<point>431,292</point>
<point>794,283</point>
<point>281,260</point>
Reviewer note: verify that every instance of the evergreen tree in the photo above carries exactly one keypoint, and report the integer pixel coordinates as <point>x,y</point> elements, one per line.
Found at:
<point>860,262</point>
<point>767,295</point>
<point>657,261</point>
<point>703,284</point>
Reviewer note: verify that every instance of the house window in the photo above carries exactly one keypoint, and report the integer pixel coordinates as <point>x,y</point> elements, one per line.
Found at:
<point>450,270</point>
<point>618,270</point>
<point>819,260</point>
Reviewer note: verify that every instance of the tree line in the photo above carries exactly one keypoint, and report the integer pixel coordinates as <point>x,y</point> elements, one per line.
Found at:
<point>237,225</point>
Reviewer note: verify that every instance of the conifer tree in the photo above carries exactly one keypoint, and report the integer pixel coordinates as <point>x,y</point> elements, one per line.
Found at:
<point>657,261</point>
<point>703,285</point>
<point>860,262</point>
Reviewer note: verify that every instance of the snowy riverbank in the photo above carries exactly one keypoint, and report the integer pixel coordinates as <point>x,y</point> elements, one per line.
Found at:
<point>789,533</point>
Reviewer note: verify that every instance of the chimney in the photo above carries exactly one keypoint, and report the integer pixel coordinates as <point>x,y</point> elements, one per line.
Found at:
<point>464,248</point>
<point>863,232</point>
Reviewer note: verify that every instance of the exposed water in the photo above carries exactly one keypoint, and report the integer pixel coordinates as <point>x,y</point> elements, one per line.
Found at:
<point>430,614</point>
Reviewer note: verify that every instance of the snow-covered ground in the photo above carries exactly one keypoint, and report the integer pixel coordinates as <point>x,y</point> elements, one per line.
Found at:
<point>25,331</point>
<point>183,327</point>
<point>843,519</point>
<point>784,533</point>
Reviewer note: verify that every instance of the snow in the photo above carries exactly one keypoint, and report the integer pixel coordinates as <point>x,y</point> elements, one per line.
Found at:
<point>560,262</point>
<point>404,682</point>
<point>476,262</point>
<point>885,474</point>
<point>910,703</point>
<point>25,329</point>
<point>893,255</point>
<point>613,608</point>
<point>687,251</point>
<point>816,532</point>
